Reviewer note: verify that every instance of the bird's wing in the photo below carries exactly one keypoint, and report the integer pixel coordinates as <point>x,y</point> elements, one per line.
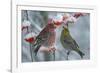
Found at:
<point>40,39</point>
<point>75,43</point>
<point>70,41</point>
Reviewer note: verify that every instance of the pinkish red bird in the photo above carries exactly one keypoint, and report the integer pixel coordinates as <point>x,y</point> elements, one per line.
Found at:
<point>46,37</point>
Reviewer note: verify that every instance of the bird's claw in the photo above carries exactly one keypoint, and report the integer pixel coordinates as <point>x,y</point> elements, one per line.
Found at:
<point>51,49</point>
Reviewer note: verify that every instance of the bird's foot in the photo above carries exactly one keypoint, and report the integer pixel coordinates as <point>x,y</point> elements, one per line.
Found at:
<point>50,50</point>
<point>68,55</point>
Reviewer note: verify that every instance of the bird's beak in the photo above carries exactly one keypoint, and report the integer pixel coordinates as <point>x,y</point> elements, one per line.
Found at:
<point>64,26</point>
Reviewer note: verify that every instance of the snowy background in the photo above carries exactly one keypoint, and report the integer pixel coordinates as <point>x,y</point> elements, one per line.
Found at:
<point>80,31</point>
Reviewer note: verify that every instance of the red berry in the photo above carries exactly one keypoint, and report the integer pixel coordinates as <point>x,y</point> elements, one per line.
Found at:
<point>30,40</point>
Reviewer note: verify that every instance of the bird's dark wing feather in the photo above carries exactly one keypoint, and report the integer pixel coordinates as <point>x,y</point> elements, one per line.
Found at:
<point>70,41</point>
<point>40,39</point>
<point>75,43</point>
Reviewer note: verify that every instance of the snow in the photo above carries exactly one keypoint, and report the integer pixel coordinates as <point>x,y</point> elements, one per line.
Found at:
<point>26,23</point>
<point>58,18</point>
<point>29,35</point>
<point>68,18</point>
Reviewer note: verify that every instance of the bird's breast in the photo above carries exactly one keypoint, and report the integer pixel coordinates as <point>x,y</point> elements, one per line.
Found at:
<point>50,40</point>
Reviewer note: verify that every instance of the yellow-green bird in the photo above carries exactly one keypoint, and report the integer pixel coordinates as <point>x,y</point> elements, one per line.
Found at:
<point>69,43</point>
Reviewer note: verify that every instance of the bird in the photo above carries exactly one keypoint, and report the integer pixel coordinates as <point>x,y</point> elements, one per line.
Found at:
<point>46,37</point>
<point>69,43</point>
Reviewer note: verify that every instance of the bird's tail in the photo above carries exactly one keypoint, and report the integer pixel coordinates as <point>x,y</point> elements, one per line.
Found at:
<point>81,53</point>
<point>36,50</point>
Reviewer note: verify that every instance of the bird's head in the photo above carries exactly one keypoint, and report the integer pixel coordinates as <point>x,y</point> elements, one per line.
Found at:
<point>65,30</point>
<point>56,24</point>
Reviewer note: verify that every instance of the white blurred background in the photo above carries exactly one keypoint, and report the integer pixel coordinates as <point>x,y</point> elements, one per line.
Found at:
<point>5,34</point>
